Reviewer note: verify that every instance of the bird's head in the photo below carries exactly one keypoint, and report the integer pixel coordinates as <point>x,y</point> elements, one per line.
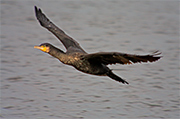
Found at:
<point>45,47</point>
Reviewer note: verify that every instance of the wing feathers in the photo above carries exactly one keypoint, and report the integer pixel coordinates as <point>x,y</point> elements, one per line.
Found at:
<point>60,34</point>
<point>121,58</point>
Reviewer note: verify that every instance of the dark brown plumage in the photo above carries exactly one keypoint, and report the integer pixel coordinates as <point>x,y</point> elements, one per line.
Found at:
<point>75,56</point>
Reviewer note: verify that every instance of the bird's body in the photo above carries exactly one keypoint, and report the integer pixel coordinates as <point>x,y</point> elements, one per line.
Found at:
<point>75,56</point>
<point>77,60</point>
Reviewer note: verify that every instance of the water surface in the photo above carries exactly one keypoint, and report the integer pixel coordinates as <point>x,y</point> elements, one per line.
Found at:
<point>34,85</point>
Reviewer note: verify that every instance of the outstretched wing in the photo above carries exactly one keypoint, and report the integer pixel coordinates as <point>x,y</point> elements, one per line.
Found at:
<point>122,58</point>
<point>65,39</point>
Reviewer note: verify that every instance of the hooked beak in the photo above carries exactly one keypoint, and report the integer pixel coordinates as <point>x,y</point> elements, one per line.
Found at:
<point>37,47</point>
<point>44,49</point>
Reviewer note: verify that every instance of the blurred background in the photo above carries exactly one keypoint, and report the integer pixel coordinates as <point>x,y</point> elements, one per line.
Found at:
<point>35,85</point>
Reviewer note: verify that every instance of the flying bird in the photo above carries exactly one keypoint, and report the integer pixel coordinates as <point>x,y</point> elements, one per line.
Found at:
<point>95,63</point>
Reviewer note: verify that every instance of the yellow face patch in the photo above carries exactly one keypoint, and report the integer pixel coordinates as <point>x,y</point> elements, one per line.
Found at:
<point>42,48</point>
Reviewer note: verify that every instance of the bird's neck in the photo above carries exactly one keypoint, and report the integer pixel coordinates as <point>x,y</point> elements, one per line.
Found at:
<point>57,53</point>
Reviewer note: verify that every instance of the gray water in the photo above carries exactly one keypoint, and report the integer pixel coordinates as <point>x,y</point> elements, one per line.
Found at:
<point>35,85</point>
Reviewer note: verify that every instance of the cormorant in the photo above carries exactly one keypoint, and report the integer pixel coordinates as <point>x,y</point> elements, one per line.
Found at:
<point>75,56</point>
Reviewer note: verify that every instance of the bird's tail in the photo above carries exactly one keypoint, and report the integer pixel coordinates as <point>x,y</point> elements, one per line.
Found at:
<point>115,77</point>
